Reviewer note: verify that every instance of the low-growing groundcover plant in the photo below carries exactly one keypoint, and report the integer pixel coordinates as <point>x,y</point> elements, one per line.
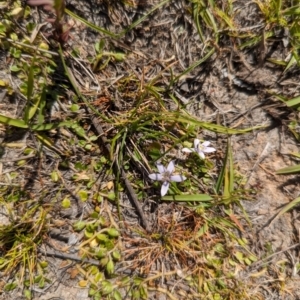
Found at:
<point>180,238</point>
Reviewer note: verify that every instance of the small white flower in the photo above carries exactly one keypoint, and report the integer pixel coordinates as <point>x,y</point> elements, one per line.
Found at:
<point>200,148</point>
<point>165,175</point>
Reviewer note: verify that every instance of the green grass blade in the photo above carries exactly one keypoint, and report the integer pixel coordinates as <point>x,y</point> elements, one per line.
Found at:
<point>196,64</point>
<point>209,126</point>
<point>188,198</point>
<point>229,173</point>
<point>113,144</point>
<point>222,172</point>
<point>33,107</point>
<point>288,207</point>
<point>295,154</point>
<point>231,167</point>
<point>197,21</point>
<point>50,126</point>
<point>91,25</point>
<point>278,6</point>
<point>292,11</point>
<point>289,170</point>
<point>291,62</point>
<point>30,80</point>
<point>13,122</point>
<point>46,141</point>
<point>226,192</point>
<point>140,20</point>
<point>224,17</point>
<point>30,84</point>
<point>210,21</point>
<point>293,102</point>
<point>42,105</point>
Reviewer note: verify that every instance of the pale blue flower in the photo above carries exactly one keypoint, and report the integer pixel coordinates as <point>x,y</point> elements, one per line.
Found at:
<point>200,148</point>
<point>165,175</point>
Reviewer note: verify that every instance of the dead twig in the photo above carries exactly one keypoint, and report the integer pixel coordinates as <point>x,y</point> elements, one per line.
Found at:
<point>17,159</point>
<point>65,256</point>
<point>130,190</point>
<point>265,260</point>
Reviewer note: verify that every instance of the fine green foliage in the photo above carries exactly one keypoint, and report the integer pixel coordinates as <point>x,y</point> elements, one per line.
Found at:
<point>21,236</point>
<point>289,170</point>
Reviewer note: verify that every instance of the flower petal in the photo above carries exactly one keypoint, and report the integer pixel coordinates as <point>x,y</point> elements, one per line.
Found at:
<point>209,149</point>
<point>155,176</point>
<point>188,150</point>
<point>196,143</point>
<point>206,143</point>
<point>177,178</point>
<point>161,168</point>
<point>171,167</point>
<point>164,188</point>
<point>201,154</point>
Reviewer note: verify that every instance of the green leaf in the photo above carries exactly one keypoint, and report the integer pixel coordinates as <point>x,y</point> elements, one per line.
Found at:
<point>101,237</point>
<point>293,102</point>
<point>196,64</point>
<point>13,122</point>
<point>110,267</point>
<point>288,207</point>
<point>186,119</point>
<point>291,11</point>
<point>44,264</point>
<point>144,292</point>
<point>54,176</point>
<point>27,294</point>
<point>74,107</point>
<point>296,154</point>
<point>154,150</point>
<point>3,83</point>
<point>111,196</point>
<point>78,130</point>
<point>31,109</point>
<point>42,283</point>
<point>42,105</point>
<point>144,17</point>
<point>83,195</point>
<point>30,80</point>
<point>66,203</point>
<point>117,295</point>
<point>79,225</point>
<point>229,172</point>
<point>188,198</point>
<point>231,167</point>
<point>289,170</point>
<point>45,140</point>
<point>239,256</point>
<point>116,255</point>
<point>50,126</point>
<point>113,232</point>
<point>10,286</point>
<point>91,25</point>
<point>292,62</point>
<point>107,287</point>
<point>99,46</point>
<point>223,171</point>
